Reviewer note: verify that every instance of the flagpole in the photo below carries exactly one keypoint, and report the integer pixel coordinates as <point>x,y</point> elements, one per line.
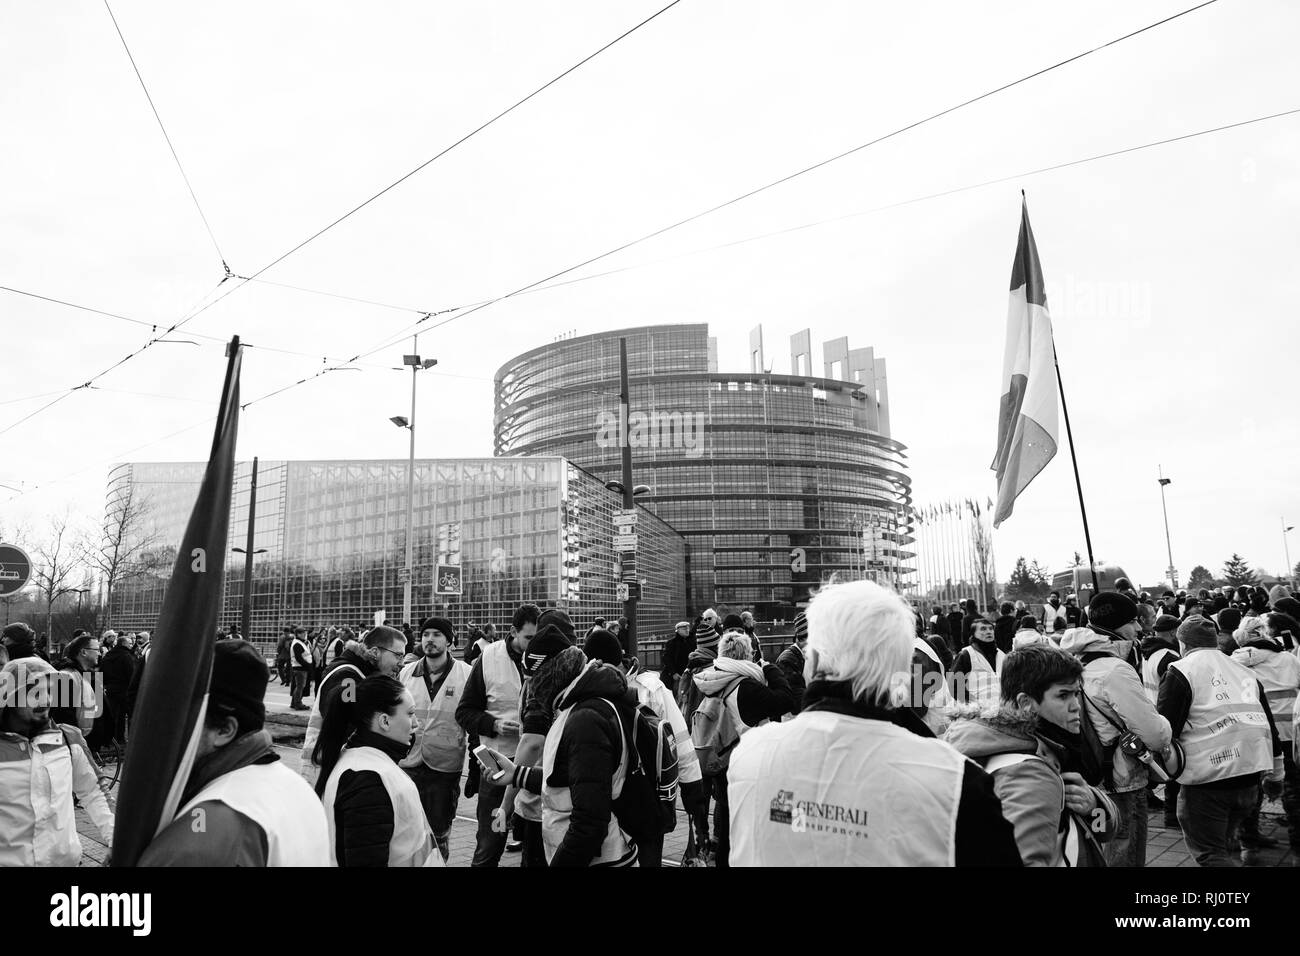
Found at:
<point>1069,435</point>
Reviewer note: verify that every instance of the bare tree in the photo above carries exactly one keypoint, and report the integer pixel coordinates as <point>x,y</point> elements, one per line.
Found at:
<point>122,551</point>
<point>55,562</point>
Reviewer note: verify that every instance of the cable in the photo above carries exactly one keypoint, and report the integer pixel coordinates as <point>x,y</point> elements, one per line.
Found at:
<point>166,137</point>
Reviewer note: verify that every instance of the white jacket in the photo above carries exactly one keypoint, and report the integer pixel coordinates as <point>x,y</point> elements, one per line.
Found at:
<point>650,690</point>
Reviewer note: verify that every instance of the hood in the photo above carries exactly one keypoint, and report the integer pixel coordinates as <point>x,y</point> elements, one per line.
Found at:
<point>1158,641</point>
<point>1084,640</point>
<point>1254,655</point>
<point>596,680</point>
<point>981,733</point>
<point>718,678</point>
<point>702,657</point>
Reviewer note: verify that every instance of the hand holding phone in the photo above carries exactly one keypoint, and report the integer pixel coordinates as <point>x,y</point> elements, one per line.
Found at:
<point>487,759</point>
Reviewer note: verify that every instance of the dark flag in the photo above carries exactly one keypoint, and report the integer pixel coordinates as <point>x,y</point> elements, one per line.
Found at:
<point>174,685</point>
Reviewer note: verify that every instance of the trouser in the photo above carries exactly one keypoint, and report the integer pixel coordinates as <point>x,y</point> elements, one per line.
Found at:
<point>1129,845</point>
<point>650,852</point>
<point>282,669</point>
<point>1211,821</point>
<point>721,819</point>
<point>299,686</point>
<point>439,793</point>
<point>1290,801</point>
<point>529,833</point>
<point>1171,799</point>
<point>488,845</point>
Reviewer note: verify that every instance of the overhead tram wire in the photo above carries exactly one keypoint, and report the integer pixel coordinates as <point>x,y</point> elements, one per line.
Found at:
<point>170,146</point>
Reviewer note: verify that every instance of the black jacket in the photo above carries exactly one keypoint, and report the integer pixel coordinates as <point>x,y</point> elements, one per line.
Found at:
<point>790,662</point>
<point>954,630</point>
<point>118,667</point>
<point>363,811</point>
<point>672,664</point>
<point>1004,631</point>
<point>757,702</point>
<point>983,836</point>
<point>471,712</point>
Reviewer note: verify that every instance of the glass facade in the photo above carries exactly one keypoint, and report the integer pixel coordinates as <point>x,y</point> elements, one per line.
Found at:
<point>334,534</point>
<point>774,480</point>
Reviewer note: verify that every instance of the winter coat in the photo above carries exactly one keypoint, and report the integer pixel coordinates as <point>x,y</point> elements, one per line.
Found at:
<point>791,661</point>
<point>1004,629</point>
<point>1032,791</point>
<point>754,701</point>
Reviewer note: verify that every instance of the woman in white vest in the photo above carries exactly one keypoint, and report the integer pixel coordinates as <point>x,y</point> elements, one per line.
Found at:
<point>846,783</point>
<point>980,665</point>
<point>372,808</point>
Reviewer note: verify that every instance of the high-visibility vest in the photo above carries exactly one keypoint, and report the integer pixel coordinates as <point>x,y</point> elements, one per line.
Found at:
<point>940,698</point>
<point>827,789</point>
<point>441,740</point>
<point>412,841</point>
<point>278,801</point>
<point>1226,734</point>
<point>296,643</point>
<point>502,684</point>
<point>984,682</point>
<point>1279,672</point>
<point>1151,671</point>
<point>309,770</point>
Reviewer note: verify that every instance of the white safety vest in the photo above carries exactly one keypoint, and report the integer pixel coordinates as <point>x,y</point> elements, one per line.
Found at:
<point>940,698</point>
<point>984,682</point>
<point>557,802</point>
<point>412,840</point>
<point>827,789</point>
<point>653,693</point>
<point>1279,672</point>
<point>1226,734</point>
<point>502,685</point>
<point>309,770</point>
<point>441,740</point>
<point>1151,672</point>
<point>1050,616</point>
<point>294,645</point>
<point>278,801</point>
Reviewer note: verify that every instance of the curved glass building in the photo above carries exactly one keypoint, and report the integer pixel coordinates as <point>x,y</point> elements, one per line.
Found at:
<point>777,482</point>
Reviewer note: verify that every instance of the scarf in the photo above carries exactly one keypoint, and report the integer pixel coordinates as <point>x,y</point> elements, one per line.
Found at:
<point>724,673</point>
<point>253,747</point>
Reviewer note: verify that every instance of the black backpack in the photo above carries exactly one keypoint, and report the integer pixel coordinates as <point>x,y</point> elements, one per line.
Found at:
<point>1098,759</point>
<point>647,807</point>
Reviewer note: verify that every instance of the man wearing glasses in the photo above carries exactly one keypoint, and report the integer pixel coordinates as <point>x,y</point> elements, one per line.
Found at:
<point>75,701</point>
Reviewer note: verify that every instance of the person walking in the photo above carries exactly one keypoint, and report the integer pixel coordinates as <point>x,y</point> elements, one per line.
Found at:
<point>301,664</point>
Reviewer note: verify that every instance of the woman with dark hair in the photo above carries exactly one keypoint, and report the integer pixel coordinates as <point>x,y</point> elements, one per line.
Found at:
<point>371,805</point>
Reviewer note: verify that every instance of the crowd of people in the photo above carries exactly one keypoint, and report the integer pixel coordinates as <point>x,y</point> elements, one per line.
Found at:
<point>1032,737</point>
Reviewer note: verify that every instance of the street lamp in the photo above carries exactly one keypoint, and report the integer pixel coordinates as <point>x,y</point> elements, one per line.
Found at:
<point>246,611</point>
<point>1173,573</point>
<point>80,592</point>
<point>1286,547</point>
<point>416,364</point>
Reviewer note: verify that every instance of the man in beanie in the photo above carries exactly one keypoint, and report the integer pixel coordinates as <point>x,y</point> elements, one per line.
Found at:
<point>1218,713</point>
<point>791,660</point>
<point>241,806</point>
<point>20,641</point>
<point>676,650</point>
<point>1115,703</point>
<point>1052,610</point>
<point>436,681</point>
<point>489,710</point>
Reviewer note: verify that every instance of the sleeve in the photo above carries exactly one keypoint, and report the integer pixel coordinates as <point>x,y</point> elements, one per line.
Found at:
<point>983,837</point>
<point>1023,789</point>
<point>363,819</point>
<point>471,711</point>
<point>688,764</point>
<point>527,757</point>
<point>1174,701</point>
<point>224,838</point>
<point>133,690</point>
<point>592,761</point>
<point>85,784</point>
<point>1164,666</point>
<point>528,778</point>
<point>1125,693</point>
<point>472,654</point>
<point>1272,724</point>
<point>757,703</point>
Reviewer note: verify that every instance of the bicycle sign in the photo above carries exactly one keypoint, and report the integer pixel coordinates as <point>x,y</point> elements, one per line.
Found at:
<point>447,579</point>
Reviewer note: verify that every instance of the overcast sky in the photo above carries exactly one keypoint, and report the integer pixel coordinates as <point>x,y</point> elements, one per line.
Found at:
<point>1172,272</point>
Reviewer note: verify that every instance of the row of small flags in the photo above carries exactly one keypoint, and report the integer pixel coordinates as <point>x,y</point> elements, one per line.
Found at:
<point>934,512</point>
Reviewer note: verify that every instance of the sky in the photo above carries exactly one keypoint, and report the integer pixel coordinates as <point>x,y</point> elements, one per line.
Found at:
<point>1170,271</point>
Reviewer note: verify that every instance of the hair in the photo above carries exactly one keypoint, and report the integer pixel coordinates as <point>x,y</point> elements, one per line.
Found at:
<point>861,633</point>
<point>1028,622</point>
<point>1054,594</point>
<point>383,635</point>
<point>1006,607</point>
<point>1148,615</point>
<point>76,646</point>
<point>377,694</point>
<point>217,714</point>
<point>1284,624</point>
<point>1033,670</point>
<point>525,614</point>
<point>4,655</point>
<point>554,674</point>
<point>736,645</point>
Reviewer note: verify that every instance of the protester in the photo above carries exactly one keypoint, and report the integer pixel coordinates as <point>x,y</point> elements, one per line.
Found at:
<point>75,700</point>
<point>44,766</point>
<point>436,681</point>
<point>478,643</point>
<point>489,710</point>
<point>300,664</point>
<point>1214,707</point>
<point>254,811</point>
<point>1115,616</point>
<point>938,623</point>
<point>1029,632</point>
<point>20,640</point>
<point>676,650</point>
<point>927,805</point>
<point>1026,744</point>
<point>955,641</point>
<point>1004,628</point>
<point>282,655</point>
<point>117,667</point>
<point>1116,704</point>
<point>372,808</point>
<point>969,620</point>
<point>930,696</point>
<point>1053,610</point>
<point>792,659</point>
<point>1159,650</point>
<point>980,664</point>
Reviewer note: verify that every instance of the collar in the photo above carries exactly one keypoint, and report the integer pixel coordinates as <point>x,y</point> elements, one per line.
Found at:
<point>837,697</point>
<point>253,747</point>
<point>396,749</point>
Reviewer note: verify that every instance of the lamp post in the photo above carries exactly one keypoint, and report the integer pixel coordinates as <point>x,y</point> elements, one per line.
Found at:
<point>1286,547</point>
<point>1173,573</point>
<point>246,611</point>
<point>81,593</point>
<point>417,365</point>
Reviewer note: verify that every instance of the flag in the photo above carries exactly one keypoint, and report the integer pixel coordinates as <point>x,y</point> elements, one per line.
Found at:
<point>174,684</point>
<point>1027,422</point>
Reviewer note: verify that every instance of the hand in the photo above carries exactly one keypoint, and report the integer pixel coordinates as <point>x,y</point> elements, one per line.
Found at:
<point>504,763</point>
<point>1079,797</point>
<point>508,728</point>
<point>500,821</point>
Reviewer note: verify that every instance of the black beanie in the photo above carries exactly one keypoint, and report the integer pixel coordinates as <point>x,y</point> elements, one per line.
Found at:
<point>1166,623</point>
<point>1112,610</point>
<point>549,640</point>
<point>556,617</point>
<point>438,624</point>
<point>601,645</point>
<point>239,678</point>
<point>733,622</point>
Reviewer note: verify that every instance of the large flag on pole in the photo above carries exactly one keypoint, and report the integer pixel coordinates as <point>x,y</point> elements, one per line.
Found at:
<point>1027,421</point>
<point>174,685</point>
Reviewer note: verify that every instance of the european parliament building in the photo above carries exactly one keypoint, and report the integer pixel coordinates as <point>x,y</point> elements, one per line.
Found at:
<point>333,541</point>
<point>777,482</point>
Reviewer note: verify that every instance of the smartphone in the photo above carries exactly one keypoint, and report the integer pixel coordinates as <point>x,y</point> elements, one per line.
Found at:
<point>490,766</point>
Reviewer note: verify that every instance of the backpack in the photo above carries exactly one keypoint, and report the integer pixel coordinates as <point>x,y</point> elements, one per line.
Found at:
<point>714,732</point>
<point>646,809</point>
<point>1097,759</point>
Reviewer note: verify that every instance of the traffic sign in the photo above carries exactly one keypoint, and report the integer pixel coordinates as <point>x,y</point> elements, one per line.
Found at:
<point>403,575</point>
<point>624,542</point>
<point>448,579</point>
<point>629,592</point>
<point>15,569</point>
<point>622,592</point>
<point>625,518</point>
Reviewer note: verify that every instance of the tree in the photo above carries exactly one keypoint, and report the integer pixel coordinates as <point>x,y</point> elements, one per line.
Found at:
<point>1027,583</point>
<point>122,550</point>
<point>1236,571</point>
<point>55,562</point>
<point>1199,578</point>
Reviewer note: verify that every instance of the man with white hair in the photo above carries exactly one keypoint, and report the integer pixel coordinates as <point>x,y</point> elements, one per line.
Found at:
<point>856,779</point>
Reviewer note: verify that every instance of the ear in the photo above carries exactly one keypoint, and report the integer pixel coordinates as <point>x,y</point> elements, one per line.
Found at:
<point>1026,704</point>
